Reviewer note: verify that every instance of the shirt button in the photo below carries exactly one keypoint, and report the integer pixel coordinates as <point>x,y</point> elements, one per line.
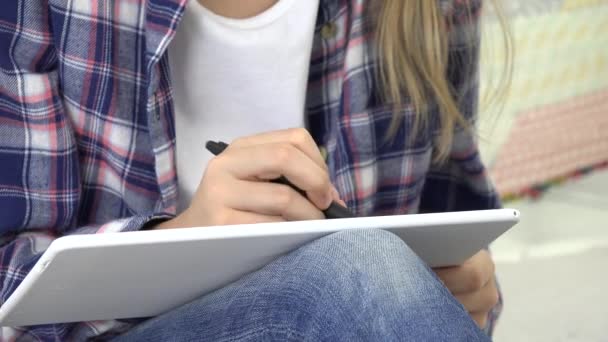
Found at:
<point>329,30</point>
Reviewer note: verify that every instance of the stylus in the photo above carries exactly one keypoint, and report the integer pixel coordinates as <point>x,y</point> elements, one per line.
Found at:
<point>334,211</point>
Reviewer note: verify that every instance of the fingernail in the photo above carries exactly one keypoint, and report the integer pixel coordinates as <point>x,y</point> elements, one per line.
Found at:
<point>328,199</point>
<point>335,193</point>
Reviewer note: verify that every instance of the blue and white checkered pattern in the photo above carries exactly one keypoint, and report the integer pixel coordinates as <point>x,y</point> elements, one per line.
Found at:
<point>87,135</point>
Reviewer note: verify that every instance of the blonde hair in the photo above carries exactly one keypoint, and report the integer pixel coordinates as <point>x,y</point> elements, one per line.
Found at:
<point>413,45</point>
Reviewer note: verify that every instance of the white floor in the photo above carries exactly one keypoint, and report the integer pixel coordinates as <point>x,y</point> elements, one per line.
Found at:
<point>553,266</point>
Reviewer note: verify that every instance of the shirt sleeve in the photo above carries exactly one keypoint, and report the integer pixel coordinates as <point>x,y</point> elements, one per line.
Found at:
<point>462,182</point>
<point>39,183</point>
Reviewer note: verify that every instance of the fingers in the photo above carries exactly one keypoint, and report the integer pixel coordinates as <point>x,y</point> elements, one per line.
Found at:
<point>474,286</point>
<point>299,137</point>
<point>481,301</point>
<point>250,162</point>
<point>471,276</point>
<point>336,196</point>
<point>235,188</point>
<point>274,200</point>
<point>481,318</point>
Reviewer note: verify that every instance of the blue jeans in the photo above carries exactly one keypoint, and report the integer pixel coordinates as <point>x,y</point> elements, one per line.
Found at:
<point>363,285</point>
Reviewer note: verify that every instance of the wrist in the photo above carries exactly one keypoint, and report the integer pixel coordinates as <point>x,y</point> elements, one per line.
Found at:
<point>180,221</point>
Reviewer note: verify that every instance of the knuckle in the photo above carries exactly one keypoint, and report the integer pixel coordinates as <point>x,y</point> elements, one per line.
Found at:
<point>493,298</point>
<point>476,278</point>
<point>322,183</point>
<point>284,197</point>
<point>299,136</point>
<point>283,155</point>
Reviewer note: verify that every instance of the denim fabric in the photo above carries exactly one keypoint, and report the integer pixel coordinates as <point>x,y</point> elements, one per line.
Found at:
<point>363,285</point>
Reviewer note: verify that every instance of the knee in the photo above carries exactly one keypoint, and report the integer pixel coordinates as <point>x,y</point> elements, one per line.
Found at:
<point>358,273</point>
<point>359,255</point>
<point>370,246</point>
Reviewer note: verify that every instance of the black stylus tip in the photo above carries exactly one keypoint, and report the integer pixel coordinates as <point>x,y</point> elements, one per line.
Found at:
<point>336,211</point>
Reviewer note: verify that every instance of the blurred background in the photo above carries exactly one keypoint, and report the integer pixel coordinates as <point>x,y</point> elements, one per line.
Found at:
<point>547,150</point>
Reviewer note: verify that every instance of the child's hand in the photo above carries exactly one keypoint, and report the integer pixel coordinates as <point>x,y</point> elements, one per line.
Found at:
<point>474,285</point>
<point>235,187</point>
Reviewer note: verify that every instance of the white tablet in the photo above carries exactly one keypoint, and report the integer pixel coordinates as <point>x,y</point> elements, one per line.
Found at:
<point>144,274</point>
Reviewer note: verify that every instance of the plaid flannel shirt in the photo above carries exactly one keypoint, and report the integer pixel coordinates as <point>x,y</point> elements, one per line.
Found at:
<point>87,137</point>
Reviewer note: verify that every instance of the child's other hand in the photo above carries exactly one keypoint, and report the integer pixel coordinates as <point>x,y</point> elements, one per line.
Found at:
<point>474,285</point>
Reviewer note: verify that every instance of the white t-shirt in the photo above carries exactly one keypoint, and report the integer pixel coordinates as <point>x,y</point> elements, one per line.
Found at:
<point>237,77</point>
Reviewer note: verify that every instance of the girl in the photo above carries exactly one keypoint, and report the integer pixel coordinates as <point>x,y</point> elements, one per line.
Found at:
<point>105,107</point>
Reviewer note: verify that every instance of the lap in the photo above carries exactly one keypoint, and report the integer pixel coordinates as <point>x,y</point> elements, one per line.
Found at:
<point>349,285</point>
